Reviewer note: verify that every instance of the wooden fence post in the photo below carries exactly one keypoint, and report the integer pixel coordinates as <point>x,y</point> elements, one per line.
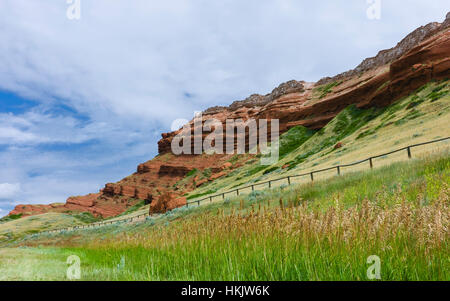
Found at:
<point>289,180</point>
<point>409,152</point>
<point>312,176</point>
<point>339,170</point>
<point>371,163</point>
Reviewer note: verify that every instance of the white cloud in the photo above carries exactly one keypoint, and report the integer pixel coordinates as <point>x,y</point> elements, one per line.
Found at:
<point>34,127</point>
<point>138,59</point>
<point>8,190</point>
<point>13,135</point>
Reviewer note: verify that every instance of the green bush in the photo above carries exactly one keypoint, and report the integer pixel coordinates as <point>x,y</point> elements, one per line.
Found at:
<point>270,169</point>
<point>192,172</point>
<point>11,217</point>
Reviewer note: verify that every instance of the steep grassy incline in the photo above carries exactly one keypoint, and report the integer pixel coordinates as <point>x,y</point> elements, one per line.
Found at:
<point>10,230</point>
<point>424,115</point>
<point>321,231</point>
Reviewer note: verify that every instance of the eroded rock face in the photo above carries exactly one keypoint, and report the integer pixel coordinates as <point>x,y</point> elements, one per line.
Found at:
<point>83,201</point>
<point>173,170</point>
<point>152,180</point>
<point>378,81</point>
<point>427,61</point>
<point>143,193</point>
<point>27,210</point>
<point>242,109</point>
<point>112,189</point>
<point>143,168</point>
<point>389,55</point>
<point>446,23</point>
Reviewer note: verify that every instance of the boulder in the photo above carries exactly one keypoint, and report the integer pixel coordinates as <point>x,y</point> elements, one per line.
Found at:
<point>176,203</point>
<point>166,202</point>
<point>338,145</point>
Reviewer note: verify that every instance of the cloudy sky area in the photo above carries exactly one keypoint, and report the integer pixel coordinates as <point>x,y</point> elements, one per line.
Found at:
<point>82,102</point>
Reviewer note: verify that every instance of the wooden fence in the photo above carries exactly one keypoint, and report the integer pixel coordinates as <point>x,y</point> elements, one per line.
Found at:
<point>236,191</point>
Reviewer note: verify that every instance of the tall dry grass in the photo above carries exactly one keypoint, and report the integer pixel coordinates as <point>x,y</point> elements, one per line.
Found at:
<point>324,230</point>
<point>288,243</point>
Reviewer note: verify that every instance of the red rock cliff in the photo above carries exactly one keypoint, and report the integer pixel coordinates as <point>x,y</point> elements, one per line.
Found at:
<point>421,56</point>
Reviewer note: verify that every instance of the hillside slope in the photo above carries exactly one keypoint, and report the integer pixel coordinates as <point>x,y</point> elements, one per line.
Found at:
<point>420,59</point>
<point>422,116</point>
<point>399,212</point>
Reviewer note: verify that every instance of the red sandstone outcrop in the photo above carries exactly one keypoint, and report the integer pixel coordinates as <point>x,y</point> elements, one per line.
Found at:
<point>143,193</point>
<point>84,201</point>
<point>432,61</point>
<point>27,210</point>
<point>420,57</point>
<point>389,55</point>
<point>112,189</point>
<point>243,109</point>
<point>173,170</point>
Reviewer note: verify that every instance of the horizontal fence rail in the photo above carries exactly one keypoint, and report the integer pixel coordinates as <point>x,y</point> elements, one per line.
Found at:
<point>252,186</point>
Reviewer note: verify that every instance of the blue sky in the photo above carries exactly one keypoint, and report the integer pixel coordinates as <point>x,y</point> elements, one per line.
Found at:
<point>82,102</point>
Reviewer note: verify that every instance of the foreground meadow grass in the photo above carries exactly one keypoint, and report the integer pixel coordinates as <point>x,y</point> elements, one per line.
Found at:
<point>321,231</point>
<point>293,239</point>
<point>285,244</point>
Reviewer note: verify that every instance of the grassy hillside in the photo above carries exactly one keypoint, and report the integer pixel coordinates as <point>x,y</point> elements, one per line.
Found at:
<point>13,229</point>
<point>320,231</point>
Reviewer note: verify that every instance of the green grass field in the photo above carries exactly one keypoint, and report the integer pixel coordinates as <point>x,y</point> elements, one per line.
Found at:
<point>320,231</point>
